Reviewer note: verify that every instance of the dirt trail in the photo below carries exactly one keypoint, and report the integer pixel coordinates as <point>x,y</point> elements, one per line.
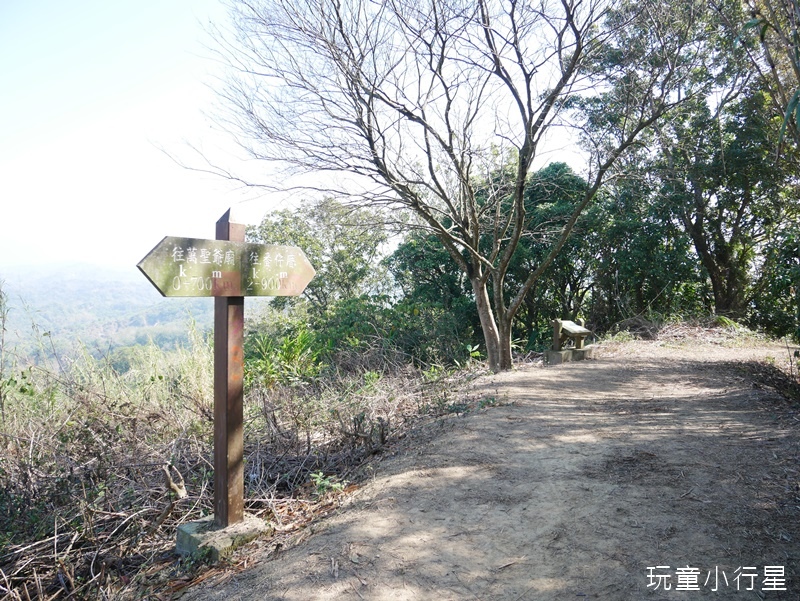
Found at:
<point>578,479</point>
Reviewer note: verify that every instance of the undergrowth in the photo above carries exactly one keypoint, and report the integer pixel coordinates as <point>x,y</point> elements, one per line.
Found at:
<point>99,467</point>
<point>717,328</point>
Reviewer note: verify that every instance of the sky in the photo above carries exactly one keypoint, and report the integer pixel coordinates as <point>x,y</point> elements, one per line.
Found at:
<point>97,99</point>
<point>95,95</point>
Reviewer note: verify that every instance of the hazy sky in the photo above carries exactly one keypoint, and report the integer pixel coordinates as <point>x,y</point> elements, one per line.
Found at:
<point>89,92</point>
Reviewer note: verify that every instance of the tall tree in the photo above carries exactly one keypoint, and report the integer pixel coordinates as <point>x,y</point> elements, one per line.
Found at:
<point>645,265</point>
<point>724,184</point>
<point>409,103</point>
<point>551,196</point>
<point>769,31</point>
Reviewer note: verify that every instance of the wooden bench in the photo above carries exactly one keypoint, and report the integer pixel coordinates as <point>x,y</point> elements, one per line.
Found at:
<point>564,330</point>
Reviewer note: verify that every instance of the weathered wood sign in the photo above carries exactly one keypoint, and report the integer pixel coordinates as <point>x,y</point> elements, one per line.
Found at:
<point>229,269</point>
<point>196,267</point>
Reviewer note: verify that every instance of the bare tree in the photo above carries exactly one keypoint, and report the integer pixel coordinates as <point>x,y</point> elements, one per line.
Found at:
<point>420,104</point>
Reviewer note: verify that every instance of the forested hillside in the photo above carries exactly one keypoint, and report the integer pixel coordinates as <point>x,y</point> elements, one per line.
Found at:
<point>57,308</point>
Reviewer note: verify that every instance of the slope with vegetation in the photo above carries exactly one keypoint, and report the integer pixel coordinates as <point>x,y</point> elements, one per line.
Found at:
<point>101,465</point>
<point>447,248</point>
<point>53,310</point>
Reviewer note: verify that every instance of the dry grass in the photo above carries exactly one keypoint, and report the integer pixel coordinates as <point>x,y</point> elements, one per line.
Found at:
<point>100,468</point>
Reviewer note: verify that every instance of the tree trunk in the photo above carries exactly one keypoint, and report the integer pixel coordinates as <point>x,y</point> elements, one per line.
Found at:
<point>496,331</point>
<point>491,334</point>
<point>728,282</point>
<point>504,331</point>
<point>797,296</point>
<point>729,288</point>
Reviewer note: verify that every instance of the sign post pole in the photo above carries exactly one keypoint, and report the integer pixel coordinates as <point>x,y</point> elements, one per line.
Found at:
<point>228,395</point>
<point>228,269</point>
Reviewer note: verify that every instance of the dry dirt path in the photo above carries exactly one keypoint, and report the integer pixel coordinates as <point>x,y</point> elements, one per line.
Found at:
<point>577,480</point>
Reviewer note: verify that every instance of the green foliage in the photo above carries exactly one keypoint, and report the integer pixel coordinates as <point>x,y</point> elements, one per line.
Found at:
<point>424,333</point>
<point>353,321</point>
<point>292,358</point>
<point>698,229</point>
<point>720,179</point>
<point>434,321</point>
<point>325,485</point>
<point>551,196</point>
<point>426,273</point>
<point>778,43</point>
<point>724,322</point>
<point>488,402</point>
<point>776,303</point>
<point>343,245</point>
<point>645,265</point>
<point>436,318</point>
<point>286,347</point>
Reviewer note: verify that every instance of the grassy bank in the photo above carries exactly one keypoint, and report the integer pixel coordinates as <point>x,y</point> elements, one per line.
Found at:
<point>96,461</point>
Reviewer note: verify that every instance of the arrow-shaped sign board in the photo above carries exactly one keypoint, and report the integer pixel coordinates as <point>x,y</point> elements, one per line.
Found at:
<point>196,267</point>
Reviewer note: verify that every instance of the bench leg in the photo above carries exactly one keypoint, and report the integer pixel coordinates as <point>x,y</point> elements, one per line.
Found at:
<point>579,339</point>
<point>556,335</point>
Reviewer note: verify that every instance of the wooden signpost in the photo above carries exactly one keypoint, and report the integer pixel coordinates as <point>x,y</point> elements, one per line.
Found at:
<point>195,267</point>
<point>228,269</point>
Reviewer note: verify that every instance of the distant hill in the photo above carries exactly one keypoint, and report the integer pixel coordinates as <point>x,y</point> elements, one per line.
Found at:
<point>104,308</point>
